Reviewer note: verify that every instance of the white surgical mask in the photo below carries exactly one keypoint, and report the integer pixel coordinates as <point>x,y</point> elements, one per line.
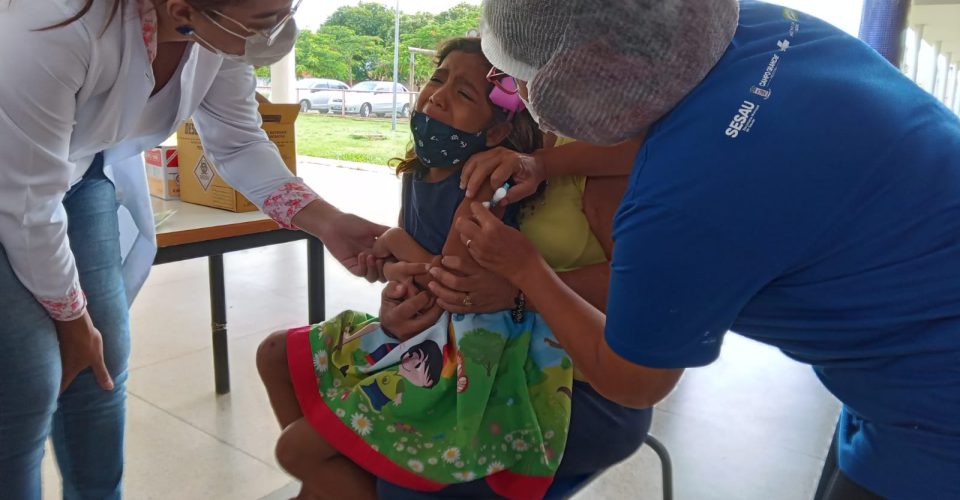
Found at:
<point>544,127</point>
<point>533,112</point>
<point>259,49</point>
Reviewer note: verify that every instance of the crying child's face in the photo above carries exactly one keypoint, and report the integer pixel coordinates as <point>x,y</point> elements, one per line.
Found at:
<point>458,93</point>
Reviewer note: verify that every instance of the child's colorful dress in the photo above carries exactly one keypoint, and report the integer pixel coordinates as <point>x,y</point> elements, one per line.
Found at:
<point>475,395</point>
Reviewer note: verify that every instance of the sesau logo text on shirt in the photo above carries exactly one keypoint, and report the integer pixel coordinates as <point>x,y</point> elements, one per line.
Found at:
<point>743,120</point>
<point>770,72</point>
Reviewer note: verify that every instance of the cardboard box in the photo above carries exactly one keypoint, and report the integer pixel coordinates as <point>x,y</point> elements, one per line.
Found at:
<point>200,183</point>
<point>163,172</point>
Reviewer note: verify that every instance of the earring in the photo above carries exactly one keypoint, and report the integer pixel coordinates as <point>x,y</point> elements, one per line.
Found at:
<point>185,30</point>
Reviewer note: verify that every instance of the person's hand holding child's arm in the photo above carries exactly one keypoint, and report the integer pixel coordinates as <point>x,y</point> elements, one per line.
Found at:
<point>404,312</point>
<point>404,257</point>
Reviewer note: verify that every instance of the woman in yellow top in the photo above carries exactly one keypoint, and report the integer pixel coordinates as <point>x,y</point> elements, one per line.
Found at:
<point>570,225</point>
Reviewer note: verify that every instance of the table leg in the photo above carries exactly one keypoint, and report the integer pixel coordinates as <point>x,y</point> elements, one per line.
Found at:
<point>218,317</point>
<point>316,294</point>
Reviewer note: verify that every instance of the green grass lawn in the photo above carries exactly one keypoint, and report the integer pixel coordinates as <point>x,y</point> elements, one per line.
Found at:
<point>366,140</point>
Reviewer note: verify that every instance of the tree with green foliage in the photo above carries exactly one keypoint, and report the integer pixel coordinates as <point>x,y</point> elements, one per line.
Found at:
<point>412,22</point>
<point>356,42</point>
<point>452,23</point>
<point>482,347</point>
<point>461,11</point>
<point>367,18</point>
<point>317,55</point>
<point>355,49</point>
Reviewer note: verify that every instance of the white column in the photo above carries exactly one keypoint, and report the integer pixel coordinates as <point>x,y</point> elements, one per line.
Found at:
<point>950,93</point>
<point>943,91</point>
<point>283,80</point>
<point>955,104</point>
<point>936,66</point>
<point>917,39</point>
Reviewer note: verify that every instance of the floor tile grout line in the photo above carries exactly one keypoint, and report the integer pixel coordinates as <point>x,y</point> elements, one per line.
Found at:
<point>215,437</point>
<point>274,492</point>
<point>231,337</point>
<point>790,449</point>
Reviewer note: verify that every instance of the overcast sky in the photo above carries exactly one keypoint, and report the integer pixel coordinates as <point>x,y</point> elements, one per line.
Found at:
<point>844,14</point>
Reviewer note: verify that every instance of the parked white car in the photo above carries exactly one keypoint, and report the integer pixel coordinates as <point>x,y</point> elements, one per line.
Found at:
<point>316,93</point>
<point>373,98</point>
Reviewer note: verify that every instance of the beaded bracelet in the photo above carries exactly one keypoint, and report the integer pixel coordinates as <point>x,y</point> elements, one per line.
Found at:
<point>520,309</point>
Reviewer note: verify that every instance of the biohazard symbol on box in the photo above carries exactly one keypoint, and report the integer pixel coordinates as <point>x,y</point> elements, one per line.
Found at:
<point>204,172</point>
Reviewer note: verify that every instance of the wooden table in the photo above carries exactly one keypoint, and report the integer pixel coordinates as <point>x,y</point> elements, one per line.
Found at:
<point>194,231</point>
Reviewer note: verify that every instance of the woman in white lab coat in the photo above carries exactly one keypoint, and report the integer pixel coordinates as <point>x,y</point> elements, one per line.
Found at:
<point>87,85</point>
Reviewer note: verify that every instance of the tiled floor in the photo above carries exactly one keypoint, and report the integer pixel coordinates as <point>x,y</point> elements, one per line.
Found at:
<point>754,425</point>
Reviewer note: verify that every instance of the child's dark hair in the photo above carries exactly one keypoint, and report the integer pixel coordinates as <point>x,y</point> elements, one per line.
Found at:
<point>525,137</point>
<point>430,355</point>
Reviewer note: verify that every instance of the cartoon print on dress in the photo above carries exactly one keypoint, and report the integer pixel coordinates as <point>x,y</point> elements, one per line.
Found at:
<point>420,366</point>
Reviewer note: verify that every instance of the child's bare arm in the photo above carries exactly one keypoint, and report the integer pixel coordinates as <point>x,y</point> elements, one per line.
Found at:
<point>454,246</point>
<point>398,244</point>
<point>398,247</point>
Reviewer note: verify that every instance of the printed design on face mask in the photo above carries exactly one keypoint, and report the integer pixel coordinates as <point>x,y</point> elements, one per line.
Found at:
<point>440,145</point>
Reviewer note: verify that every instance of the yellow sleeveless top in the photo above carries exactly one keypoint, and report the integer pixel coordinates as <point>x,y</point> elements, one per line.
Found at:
<point>559,229</point>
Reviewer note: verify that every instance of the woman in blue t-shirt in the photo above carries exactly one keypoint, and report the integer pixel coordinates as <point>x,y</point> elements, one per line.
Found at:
<point>793,187</point>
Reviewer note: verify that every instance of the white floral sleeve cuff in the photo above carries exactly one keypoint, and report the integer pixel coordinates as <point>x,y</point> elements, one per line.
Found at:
<point>66,308</point>
<point>287,201</point>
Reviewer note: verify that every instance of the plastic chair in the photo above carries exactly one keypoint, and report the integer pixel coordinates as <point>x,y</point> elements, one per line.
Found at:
<point>563,490</point>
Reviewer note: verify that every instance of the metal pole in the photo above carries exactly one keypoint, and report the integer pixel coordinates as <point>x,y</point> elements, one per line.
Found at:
<point>412,82</point>
<point>396,62</point>
<point>413,61</point>
<point>218,323</point>
<point>316,294</point>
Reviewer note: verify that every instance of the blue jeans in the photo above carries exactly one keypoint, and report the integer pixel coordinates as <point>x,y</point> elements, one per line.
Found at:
<point>86,422</point>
